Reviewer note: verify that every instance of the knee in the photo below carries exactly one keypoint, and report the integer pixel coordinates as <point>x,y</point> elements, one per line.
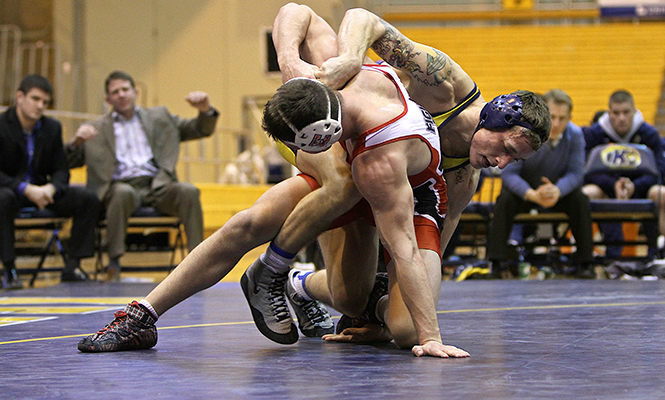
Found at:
<point>189,191</point>
<point>593,191</point>
<point>88,198</point>
<point>657,195</point>
<point>122,193</point>
<point>351,301</point>
<point>250,223</point>
<point>353,307</point>
<point>89,205</point>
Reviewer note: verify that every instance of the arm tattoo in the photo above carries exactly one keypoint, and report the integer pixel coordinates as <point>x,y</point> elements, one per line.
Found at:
<point>436,63</point>
<point>399,51</point>
<point>460,175</point>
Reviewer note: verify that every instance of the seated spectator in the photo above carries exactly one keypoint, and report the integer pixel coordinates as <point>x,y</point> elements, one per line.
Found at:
<point>551,180</point>
<point>131,155</point>
<point>34,173</point>
<point>623,123</point>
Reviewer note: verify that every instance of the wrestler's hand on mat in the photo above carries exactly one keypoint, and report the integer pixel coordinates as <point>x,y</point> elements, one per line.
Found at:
<point>370,333</point>
<point>437,349</point>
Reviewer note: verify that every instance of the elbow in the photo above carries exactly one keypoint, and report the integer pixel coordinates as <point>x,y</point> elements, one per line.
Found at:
<point>369,19</point>
<point>289,7</point>
<point>294,8</point>
<point>359,13</point>
<point>404,334</point>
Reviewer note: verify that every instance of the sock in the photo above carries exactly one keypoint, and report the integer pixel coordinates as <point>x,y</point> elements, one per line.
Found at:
<point>71,264</point>
<point>298,283</point>
<point>379,306</point>
<point>114,263</point>
<point>145,303</point>
<point>278,259</point>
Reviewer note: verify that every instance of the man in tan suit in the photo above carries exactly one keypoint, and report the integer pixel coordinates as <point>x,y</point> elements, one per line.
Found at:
<point>131,155</point>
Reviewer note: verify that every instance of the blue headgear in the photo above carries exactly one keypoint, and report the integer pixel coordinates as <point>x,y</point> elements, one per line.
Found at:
<point>502,113</point>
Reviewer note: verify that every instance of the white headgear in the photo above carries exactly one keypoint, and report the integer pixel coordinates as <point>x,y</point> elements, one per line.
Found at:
<point>319,135</point>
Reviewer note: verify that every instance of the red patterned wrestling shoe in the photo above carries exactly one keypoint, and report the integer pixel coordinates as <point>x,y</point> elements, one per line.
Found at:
<point>132,329</point>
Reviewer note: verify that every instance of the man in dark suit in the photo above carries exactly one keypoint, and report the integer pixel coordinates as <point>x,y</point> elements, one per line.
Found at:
<point>34,173</point>
<point>131,155</point>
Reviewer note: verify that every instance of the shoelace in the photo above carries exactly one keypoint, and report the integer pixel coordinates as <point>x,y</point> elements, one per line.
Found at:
<point>278,298</point>
<point>314,313</point>
<point>118,319</point>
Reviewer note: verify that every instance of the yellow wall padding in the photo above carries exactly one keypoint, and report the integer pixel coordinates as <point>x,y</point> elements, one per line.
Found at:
<point>589,62</point>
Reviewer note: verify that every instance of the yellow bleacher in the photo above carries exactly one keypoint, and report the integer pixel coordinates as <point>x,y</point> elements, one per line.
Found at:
<point>587,61</point>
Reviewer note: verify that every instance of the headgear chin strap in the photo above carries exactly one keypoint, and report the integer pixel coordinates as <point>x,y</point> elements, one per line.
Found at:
<point>319,135</point>
<point>502,113</point>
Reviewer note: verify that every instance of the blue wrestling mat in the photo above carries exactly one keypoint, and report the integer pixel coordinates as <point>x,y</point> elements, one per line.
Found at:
<point>553,339</point>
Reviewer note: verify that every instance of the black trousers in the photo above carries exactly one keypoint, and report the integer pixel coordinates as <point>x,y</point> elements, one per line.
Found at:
<point>76,202</point>
<point>575,205</point>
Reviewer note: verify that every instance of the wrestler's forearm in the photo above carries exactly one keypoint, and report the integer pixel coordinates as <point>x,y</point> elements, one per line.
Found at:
<point>357,33</point>
<point>289,31</point>
<point>315,213</point>
<point>449,227</point>
<point>395,222</point>
<point>319,209</point>
<point>461,186</point>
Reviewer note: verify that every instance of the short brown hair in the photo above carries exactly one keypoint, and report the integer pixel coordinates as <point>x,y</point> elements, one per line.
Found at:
<point>537,113</point>
<point>118,75</point>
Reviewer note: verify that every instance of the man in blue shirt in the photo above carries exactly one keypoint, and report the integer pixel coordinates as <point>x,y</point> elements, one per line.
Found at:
<point>34,173</point>
<point>550,179</point>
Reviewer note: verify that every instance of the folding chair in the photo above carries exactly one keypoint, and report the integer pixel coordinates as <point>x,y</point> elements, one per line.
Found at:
<point>147,220</point>
<point>31,218</point>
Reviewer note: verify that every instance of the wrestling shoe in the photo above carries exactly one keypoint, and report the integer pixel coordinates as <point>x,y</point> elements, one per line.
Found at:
<point>379,290</point>
<point>265,293</point>
<point>313,317</point>
<point>132,329</point>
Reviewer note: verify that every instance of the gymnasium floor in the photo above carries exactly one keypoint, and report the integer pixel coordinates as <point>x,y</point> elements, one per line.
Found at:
<point>552,339</point>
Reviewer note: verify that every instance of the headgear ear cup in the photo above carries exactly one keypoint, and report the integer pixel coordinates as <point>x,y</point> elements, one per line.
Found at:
<point>502,113</point>
<point>319,135</point>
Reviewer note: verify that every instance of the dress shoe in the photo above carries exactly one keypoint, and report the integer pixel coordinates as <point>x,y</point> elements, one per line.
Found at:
<point>73,276</point>
<point>11,281</point>
<point>585,273</point>
<point>112,275</point>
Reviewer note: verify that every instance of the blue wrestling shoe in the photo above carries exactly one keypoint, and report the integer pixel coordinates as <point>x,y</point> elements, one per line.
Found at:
<point>313,317</point>
<point>264,290</point>
<point>379,290</point>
